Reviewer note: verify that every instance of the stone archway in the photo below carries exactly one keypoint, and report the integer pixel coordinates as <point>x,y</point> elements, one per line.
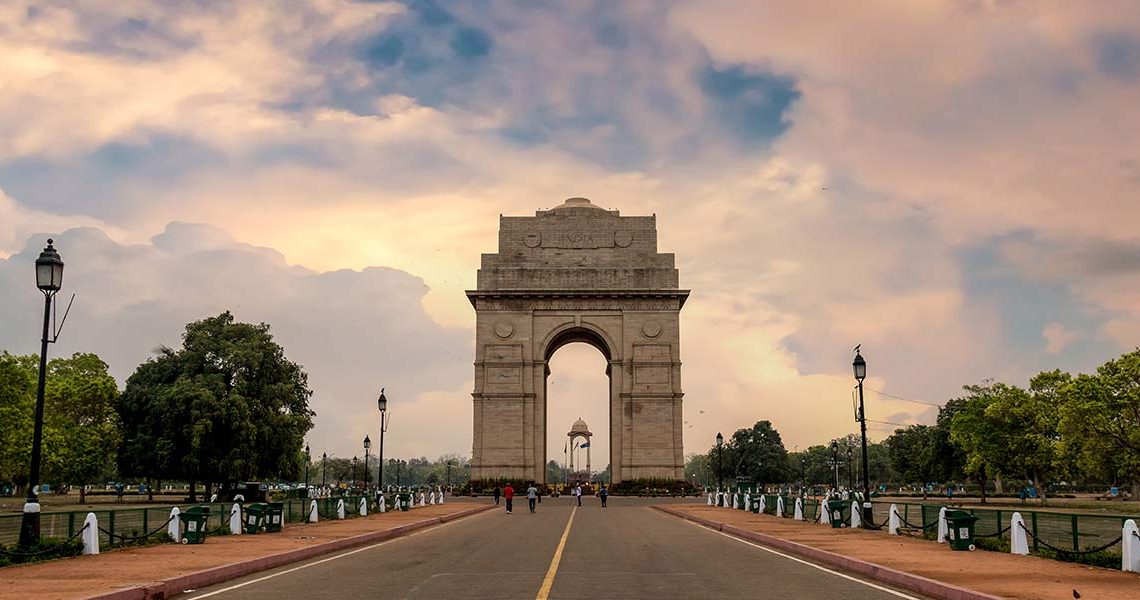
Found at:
<point>577,273</point>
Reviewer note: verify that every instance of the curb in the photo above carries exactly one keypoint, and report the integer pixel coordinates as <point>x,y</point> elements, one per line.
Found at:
<point>159,590</point>
<point>900,579</point>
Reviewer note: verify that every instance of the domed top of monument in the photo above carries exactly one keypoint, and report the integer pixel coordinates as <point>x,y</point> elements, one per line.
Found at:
<point>579,426</point>
<point>577,202</point>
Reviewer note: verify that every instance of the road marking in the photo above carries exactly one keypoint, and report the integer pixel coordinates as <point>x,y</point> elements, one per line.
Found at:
<point>331,558</point>
<point>544,591</point>
<point>808,563</point>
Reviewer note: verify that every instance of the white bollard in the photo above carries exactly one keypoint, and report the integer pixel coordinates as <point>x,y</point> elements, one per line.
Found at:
<point>799,514</point>
<point>1018,539</point>
<point>736,500</point>
<point>174,527</point>
<point>340,509</point>
<point>422,502</point>
<point>711,501</point>
<point>943,528</point>
<point>213,498</point>
<point>431,498</point>
<point>440,496</point>
<point>779,506</point>
<point>314,514</point>
<point>893,522</point>
<point>856,518</point>
<point>1130,547</point>
<point>363,506</point>
<point>747,501</point>
<point>91,534</point>
<point>380,505</point>
<point>762,506</point>
<point>824,515</point>
<point>235,519</point>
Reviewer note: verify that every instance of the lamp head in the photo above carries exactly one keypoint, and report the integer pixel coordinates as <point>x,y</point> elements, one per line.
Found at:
<point>49,270</point>
<point>859,366</point>
<point>367,443</point>
<point>719,439</point>
<point>382,401</point>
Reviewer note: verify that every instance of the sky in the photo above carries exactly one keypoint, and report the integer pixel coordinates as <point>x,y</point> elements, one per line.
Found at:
<point>951,184</point>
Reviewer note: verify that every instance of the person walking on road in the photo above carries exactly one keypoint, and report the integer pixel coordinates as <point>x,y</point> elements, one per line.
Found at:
<point>496,493</point>
<point>603,494</point>
<point>578,494</point>
<point>531,496</point>
<point>509,496</point>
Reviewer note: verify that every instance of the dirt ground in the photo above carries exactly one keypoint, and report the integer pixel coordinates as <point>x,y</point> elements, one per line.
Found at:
<point>1000,574</point>
<point>84,576</point>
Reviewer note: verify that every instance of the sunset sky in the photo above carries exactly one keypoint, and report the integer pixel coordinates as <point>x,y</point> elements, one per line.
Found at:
<point>951,184</point>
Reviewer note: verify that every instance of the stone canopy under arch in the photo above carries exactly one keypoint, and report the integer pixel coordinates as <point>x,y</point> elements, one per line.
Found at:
<point>577,273</point>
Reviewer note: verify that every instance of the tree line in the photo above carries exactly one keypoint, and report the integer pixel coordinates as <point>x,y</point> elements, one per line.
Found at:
<point>1078,429</point>
<point>227,406</point>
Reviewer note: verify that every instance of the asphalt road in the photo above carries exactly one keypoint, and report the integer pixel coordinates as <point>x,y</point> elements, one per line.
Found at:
<point>625,551</point>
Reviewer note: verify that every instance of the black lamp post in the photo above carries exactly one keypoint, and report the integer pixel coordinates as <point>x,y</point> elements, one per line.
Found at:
<point>354,460</point>
<point>324,468</point>
<point>308,460</point>
<point>367,445</point>
<point>859,366</point>
<point>449,474</point>
<point>835,463</point>
<point>850,473</point>
<point>49,278</point>
<point>398,463</point>
<point>719,455</point>
<point>382,402</point>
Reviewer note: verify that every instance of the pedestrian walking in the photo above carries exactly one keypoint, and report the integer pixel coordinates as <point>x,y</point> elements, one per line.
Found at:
<point>603,494</point>
<point>578,494</point>
<point>509,496</point>
<point>496,493</point>
<point>531,496</point>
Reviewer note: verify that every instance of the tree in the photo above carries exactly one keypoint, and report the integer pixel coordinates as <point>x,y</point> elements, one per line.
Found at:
<point>554,472</point>
<point>226,407</point>
<point>697,469</point>
<point>982,428</point>
<point>81,427</point>
<point>17,406</point>
<point>1099,418</point>
<point>757,454</point>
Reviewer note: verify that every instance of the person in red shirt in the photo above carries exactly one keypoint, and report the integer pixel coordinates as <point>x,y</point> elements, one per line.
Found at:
<point>509,496</point>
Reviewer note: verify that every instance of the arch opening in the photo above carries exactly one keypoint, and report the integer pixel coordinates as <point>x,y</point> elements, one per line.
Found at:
<point>578,386</point>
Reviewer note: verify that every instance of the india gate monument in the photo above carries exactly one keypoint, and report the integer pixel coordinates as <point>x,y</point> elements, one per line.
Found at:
<point>577,273</point>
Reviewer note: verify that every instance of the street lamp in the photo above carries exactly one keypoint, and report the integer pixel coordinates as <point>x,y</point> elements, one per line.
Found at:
<point>859,366</point>
<point>719,455</point>
<point>49,278</point>
<point>308,459</point>
<point>354,459</point>
<point>835,463</point>
<point>324,468</point>
<point>382,402</point>
<point>850,473</point>
<point>367,445</point>
<point>397,462</point>
<point>449,474</point>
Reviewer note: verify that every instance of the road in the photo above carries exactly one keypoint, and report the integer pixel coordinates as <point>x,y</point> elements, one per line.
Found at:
<point>625,551</point>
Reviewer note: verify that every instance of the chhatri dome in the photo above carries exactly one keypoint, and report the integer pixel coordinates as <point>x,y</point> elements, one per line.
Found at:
<point>577,203</point>
<point>579,426</point>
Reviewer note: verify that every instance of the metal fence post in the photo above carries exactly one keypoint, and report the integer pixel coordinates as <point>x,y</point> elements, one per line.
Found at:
<point>111,527</point>
<point>997,522</point>
<point>146,521</point>
<point>1034,519</point>
<point>70,524</point>
<point>1076,542</point>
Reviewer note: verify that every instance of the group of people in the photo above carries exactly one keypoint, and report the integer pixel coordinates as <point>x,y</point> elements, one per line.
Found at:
<point>533,497</point>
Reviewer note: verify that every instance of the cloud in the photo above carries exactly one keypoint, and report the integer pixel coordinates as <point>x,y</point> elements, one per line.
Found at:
<point>1057,337</point>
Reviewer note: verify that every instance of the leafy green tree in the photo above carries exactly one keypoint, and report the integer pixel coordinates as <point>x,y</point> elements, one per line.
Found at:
<point>17,405</point>
<point>697,469</point>
<point>1099,419</point>
<point>227,406</point>
<point>981,426</point>
<point>757,454</point>
<point>81,427</point>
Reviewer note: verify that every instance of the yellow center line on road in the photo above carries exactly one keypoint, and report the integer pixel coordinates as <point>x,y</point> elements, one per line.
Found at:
<point>548,582</point>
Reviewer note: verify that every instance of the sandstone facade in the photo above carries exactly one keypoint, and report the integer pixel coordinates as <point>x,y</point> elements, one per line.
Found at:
<point>577,273</point>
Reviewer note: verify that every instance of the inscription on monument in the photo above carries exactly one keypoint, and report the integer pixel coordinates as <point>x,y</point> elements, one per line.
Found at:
<point>578,240</point>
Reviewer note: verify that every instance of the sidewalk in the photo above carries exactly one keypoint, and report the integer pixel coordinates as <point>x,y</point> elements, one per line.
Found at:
<point>994,573</point>
<point>127,572</point>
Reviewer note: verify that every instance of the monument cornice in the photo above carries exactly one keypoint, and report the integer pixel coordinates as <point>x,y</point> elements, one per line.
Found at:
<point>627,294</point>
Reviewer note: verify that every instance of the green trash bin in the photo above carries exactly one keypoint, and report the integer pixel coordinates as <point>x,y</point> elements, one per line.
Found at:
<point>960,526</point>
<point>274,516</point>
<point>755,503</point>
<point>254,520</point>
<point>405,501</point>
<point>194,524</point>
<point>837,511</point>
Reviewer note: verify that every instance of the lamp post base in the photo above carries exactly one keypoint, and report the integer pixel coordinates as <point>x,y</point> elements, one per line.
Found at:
<point>30,525</point>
